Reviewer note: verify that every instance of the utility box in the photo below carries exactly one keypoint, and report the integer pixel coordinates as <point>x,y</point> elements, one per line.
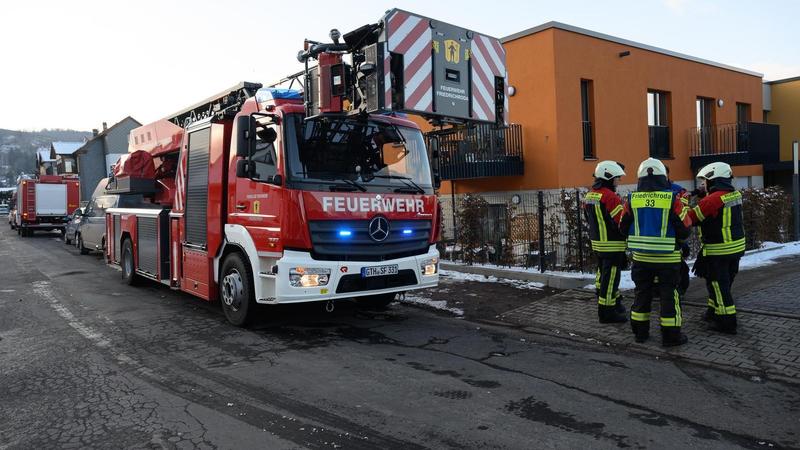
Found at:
<point>435,69</point>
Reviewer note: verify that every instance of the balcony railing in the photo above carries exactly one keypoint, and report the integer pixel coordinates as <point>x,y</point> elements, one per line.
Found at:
<point>480,151</point>
<point>659,141</point>
<point>734,143</point>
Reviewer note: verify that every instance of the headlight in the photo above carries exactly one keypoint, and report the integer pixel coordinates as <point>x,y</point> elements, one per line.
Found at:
<point>429,266</point>
<point>309,276</point>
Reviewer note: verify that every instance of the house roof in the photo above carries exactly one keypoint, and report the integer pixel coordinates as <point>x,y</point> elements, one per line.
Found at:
<point>85,145</point>
<point>608,37</point>
<point>785,80</point>
<point>43,154</point>
<point>65,148</point>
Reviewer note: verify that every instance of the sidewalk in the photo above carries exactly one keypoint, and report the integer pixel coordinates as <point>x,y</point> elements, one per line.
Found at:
<point>767,294</point>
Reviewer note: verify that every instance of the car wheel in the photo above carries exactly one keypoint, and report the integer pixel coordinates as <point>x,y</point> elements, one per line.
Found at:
<point>67,240</point>
<point>379,301</point>
<point>129,276</point>
<point>236,291</point>
<point>83,250</point>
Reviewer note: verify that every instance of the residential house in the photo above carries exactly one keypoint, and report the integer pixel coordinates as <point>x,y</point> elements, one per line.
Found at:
<point>782,107</point>
<point>64,155</point>
<point>44,163</point>
<point>101,152</point>
<point>577,97</point>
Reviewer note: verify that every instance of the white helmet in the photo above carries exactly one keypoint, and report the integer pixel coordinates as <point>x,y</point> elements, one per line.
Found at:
<point>608,170</point>
<point>651,166</point>
<point>715,170</point>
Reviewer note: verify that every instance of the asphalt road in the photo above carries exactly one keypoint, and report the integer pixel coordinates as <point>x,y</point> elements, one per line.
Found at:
<point>88,362</point>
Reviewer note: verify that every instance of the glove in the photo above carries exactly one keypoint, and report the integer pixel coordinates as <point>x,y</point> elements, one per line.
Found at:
<point>700,266</point>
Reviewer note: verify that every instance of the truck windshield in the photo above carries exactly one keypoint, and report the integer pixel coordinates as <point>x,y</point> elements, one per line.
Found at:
<point>352,155</point>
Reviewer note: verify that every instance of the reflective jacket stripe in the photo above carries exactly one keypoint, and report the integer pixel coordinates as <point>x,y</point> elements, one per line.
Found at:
<point>658,258</point>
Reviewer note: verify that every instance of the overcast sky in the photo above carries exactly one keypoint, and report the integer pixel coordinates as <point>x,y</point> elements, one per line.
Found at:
<point>75,64</point>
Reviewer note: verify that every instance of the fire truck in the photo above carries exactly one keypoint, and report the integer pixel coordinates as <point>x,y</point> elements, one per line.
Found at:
<point>45,202</point>
<point>271,195</point>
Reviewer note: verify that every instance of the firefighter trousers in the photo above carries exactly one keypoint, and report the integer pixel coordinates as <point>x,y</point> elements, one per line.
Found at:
<point>609,269</point>
<point>721,270</point>
<point>644,275</point>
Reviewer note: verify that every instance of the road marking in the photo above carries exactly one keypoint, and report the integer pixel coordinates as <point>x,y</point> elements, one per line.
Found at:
<point>44,289</point>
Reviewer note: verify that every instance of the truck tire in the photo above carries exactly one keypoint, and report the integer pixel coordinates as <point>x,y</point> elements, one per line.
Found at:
<point>81,248</point>
<point>379,301</point>
<point>126,261</point>
<point>236,291</point>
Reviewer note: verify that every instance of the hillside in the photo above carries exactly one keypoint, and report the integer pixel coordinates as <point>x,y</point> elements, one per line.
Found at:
<point>18,149</point>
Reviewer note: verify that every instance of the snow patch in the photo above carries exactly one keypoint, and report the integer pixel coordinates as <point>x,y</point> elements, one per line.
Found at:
<point>463,276</point>
<point>440,305</point>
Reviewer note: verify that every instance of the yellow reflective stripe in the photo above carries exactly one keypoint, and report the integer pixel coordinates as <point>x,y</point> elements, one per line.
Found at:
<point>728,310</point>
<point>731,197</point>
<point>597,279</point>
<point>684,212</point>
<point>653,239</point>
<point>608,246</point>
<point>610,290</point>
<point>685,201</point>
<point>593,196</point>
<point>616,211</point>
<point>669,322</point>
<point>640,317</point>
<point>711,302</point>
<point>601,223</point>
<point>699,214</point>
<point>678,316</point>
<point>665,258</point>
<point>635,221</point>
<point>726,224</point>
<point>719,304</point>
<point>664,217</point>
<point>728,248</point>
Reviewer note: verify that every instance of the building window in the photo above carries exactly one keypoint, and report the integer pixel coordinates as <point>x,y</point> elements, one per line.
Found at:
<point>704,121</point>
<point>742,112</point>
<point>587,114</point>
<point>658,124</point>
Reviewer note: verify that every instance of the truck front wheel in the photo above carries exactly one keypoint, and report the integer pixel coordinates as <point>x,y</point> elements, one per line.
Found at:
<point>128,269</point>
<point>236,291</point>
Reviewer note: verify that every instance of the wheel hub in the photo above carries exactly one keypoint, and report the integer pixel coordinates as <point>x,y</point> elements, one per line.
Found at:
<point>233,290</point>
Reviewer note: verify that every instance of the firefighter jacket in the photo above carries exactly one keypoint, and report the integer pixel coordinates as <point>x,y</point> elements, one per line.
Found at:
<point>603,209</point>
<point>719,215</point>
<point>653,222</point>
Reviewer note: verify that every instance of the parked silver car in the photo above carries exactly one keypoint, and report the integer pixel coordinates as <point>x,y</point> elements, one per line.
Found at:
<point>72,226</point>
<point>91,232</point>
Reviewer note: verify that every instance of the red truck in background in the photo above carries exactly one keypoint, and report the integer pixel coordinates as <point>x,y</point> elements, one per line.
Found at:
<point>272,196</point>
<point>45,203</point>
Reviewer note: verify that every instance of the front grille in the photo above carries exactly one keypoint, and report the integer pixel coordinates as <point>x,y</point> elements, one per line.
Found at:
<point>327,245</point>
<point>355,283</point>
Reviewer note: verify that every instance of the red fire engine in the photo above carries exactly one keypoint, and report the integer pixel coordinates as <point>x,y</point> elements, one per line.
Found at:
<point>267,195</point>
<point>45,203</point>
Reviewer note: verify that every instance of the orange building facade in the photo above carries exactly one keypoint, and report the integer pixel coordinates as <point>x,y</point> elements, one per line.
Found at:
<point>581,97</point>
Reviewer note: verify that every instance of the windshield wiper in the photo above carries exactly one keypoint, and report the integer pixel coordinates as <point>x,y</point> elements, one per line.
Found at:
<point>410,184</point>
<point>352,183</point>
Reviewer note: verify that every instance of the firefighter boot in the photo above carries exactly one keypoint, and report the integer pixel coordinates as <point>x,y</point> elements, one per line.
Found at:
<point>723,324</point>
<point>620,308</point>
<point>610,314</point>
<point>672,337</point>
<point>641,330</point>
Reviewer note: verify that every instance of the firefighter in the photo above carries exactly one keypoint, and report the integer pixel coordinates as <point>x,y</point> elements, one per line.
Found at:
<point>719,216</point>
<point>603,208</point>
<point>653,222</point>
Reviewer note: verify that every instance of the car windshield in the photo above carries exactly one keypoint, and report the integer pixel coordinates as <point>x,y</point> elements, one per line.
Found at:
<point>348,154</point>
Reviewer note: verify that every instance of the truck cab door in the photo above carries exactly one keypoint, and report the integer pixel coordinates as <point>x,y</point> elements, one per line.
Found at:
<point>257,197</point>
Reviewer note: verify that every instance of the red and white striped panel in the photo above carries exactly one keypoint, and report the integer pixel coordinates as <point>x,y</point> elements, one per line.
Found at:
<point>488,61</point>
<point>387,78</point>
<point>180,187</point>
<point>411,36</point>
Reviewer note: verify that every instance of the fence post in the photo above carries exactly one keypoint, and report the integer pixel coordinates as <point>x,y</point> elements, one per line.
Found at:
<point>541,232</point>
<point>579,227</point>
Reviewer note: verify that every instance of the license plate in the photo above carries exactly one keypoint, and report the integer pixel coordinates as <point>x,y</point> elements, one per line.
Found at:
<point>379,271</point>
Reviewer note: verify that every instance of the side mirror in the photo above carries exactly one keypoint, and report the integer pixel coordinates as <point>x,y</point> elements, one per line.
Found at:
<point>243,136</point>
<point>277,180</point>
<point>244,169</point>
<point>434,148</point>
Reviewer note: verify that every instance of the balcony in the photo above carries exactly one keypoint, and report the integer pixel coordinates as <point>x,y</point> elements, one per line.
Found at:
<point>479,152</point>
<point>734,143</point>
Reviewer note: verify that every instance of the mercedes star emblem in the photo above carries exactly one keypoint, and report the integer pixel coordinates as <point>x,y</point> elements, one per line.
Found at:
<point>379,229</point>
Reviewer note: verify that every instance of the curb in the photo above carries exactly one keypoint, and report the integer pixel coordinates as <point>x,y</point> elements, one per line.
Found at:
<point>553,281</point>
